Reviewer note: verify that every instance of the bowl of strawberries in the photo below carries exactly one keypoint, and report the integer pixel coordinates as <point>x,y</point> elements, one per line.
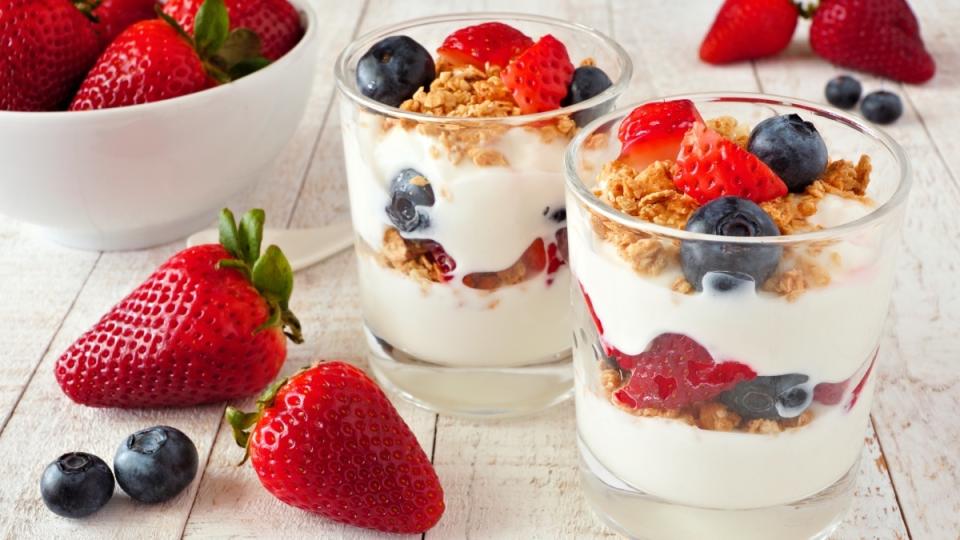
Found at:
<point>126,123</point>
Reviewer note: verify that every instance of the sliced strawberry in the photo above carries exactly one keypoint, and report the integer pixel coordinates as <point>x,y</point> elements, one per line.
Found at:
<point>593,313</point>
<point>859,387</point>
<point>674,372</point>
<point>493,42</point>
<point>653,132</point>
<point>830,393</point>
<point>710,166</point>
<point>539,76</point>
<point>746,29</point>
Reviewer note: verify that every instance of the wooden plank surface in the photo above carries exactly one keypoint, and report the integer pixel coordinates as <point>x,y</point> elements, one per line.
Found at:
<point>505,479</point>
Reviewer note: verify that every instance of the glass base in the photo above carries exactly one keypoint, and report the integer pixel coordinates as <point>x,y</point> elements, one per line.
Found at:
<point>472,392</point>
<point>639,515</point>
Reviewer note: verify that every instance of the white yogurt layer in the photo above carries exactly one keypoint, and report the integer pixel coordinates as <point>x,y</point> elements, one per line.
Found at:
<point>485,218</point>
<point>827,333</point>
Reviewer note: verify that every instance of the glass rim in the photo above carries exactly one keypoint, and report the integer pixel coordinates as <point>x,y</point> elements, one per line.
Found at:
<point>345,81</point>
<point>576,185</point>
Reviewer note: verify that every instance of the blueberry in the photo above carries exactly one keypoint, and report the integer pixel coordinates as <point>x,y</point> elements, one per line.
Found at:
<point>409,190</point>
<point>155,464</point>
<point>724,282</point>
<point>729,216</point>
<point>76,485</point>
<point>843,91</point>
<point>881,107</point>
<point>559,215</point>
<point>588,81</point>
<point>393,69</point>
<point>774,398</point>
<point>792,148</point>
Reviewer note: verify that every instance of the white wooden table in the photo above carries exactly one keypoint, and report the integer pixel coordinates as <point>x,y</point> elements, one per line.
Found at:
<point>507,479</point>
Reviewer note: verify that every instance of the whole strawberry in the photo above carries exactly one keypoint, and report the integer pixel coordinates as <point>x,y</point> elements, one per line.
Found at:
<point>114,16</point>
<point>156,60</point>
<point>748,29</point>
<point>876,36</point>
<point>207,326</point>
<point>47,48</point>
<point>327,440</point>
<point>275,21</point>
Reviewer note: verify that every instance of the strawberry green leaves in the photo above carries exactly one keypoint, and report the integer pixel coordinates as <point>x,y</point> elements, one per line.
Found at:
<point>227,55</point>
<point>270,272</point>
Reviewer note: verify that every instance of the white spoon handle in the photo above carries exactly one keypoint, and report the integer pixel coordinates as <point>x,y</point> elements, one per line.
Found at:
<point>303,247</point>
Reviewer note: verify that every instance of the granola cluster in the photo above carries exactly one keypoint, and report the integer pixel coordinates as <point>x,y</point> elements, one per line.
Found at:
<point>466,92</point>
<point>650,195</point>
<point>709,415</point>
<point>410,257</point>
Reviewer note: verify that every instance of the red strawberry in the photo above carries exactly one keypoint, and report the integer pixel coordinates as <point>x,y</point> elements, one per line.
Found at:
<point>710,166</point>
<point>539,76</point>
<point>493,42</point>
<point>114,16</point>
<point>747,29</point>
<point>653,132</point>
<point>830,393</point>
<point>155,60</point>
<point>593,312</point>
<point>207,326</point>
<point>327,440</point>
<point>877,36</point>
<point>48,46</point>
<point>275,21</point>
<point>674,372</point>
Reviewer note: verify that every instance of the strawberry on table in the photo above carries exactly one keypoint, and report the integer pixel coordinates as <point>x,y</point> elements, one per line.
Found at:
<point>207,326</point>
<point>327,440</point>
<point>674,372</point>
<point>710,166</point>
<point>539,77</point>
<point>877,36</point>
<point>156,60</point>
<point>653,132</point>
<point>747,29</point>
<point>493,42</point>
<point>48,46</point>
<point>275,21</point>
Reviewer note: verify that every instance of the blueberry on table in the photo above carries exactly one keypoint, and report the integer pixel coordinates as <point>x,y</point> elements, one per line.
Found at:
<point>409,191</point>
<point>153,465</point>
<point>76,485</point>
<point>792,148</point>
<point>881,107</point>
<point>843,91</point>
<point>774,398</point>
<point>588,81</point>
<point>393,69</point>
<point>735,217</point>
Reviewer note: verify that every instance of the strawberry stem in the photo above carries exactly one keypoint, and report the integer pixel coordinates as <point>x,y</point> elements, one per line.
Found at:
<point>243,422</point>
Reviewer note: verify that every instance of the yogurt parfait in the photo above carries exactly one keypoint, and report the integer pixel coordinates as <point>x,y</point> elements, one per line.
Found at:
<point>454,130</point>
<point>733,260</point>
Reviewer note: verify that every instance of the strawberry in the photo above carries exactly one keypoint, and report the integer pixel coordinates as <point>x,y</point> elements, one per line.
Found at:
<point>832,393</point>
<point>710,166</point>
<point>114,16</point>
<point>48,46</point>
<point>539,76</point>
<point>877,36</point>
<point>327,440</point>
<point>156,60</point>
<point>275,21</point>
<point>653,132</point>
<point>674,372</point>
<point>491,43</point>
<point>207,326</point>
<point>748,29</point>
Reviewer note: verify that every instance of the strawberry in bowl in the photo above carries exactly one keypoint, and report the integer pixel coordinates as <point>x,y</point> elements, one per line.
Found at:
<point>150,148</point>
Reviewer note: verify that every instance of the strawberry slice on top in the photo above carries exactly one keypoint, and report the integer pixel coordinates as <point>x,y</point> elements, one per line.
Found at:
<point>539,76</point>
<point>653,132</point>
<point>710,166</point>
<point>493,42</point>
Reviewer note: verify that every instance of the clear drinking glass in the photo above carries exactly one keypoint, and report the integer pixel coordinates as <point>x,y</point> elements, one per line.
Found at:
<point>696,472</point>
<point>470,314</point>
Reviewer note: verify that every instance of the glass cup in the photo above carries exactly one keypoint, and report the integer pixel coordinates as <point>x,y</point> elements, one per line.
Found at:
<point>775,455</point>
<point>465,295</point>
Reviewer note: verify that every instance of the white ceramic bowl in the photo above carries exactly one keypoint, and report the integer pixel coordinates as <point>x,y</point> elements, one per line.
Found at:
<point>133,177</point>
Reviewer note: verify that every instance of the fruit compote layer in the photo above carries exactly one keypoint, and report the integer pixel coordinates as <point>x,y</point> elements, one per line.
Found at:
<point>480,278</point>
<point>669,378</point>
